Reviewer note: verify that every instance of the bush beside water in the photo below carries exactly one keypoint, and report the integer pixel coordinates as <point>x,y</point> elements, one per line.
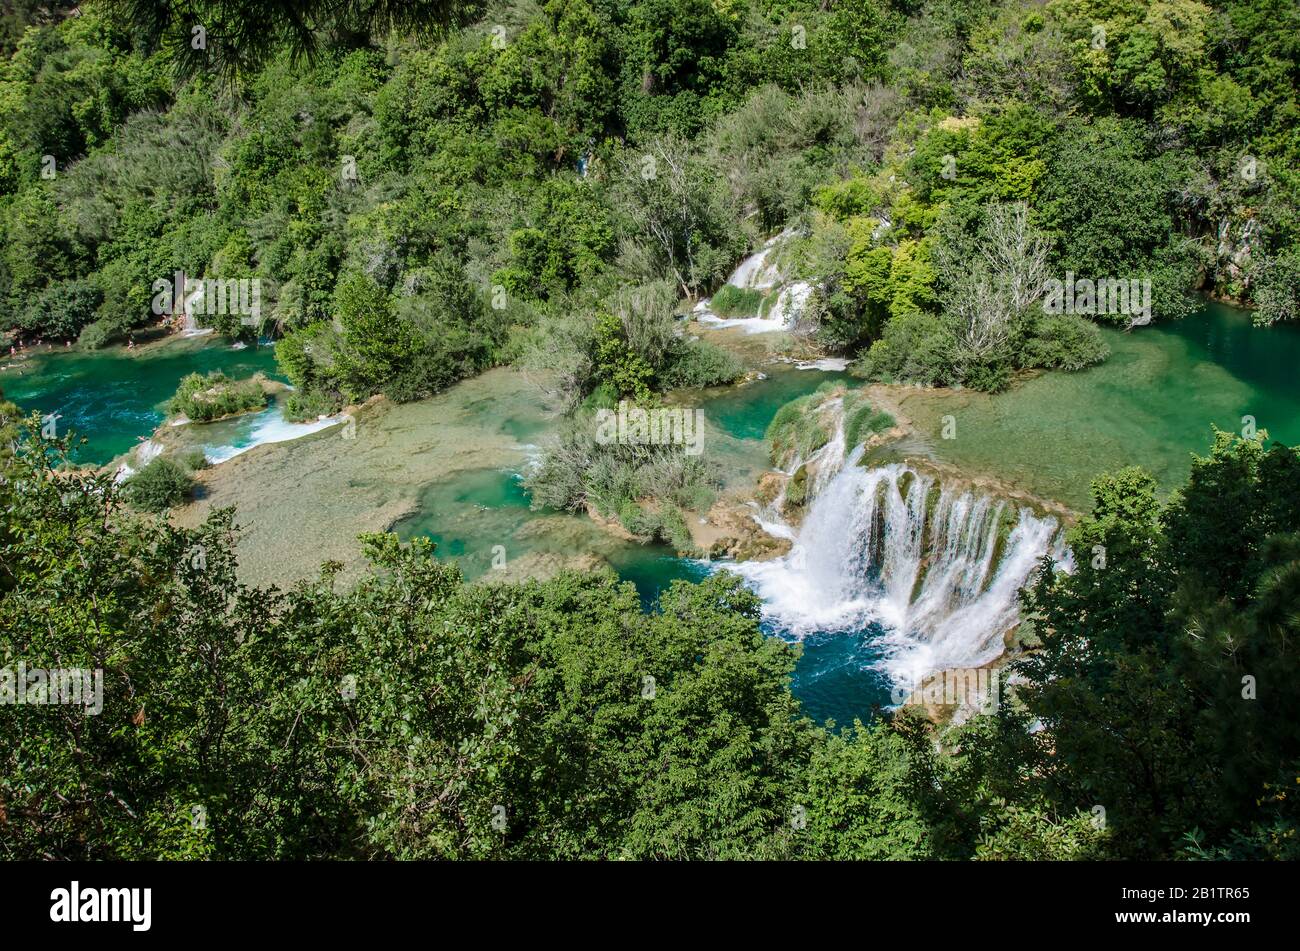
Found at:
<point>204,398</point>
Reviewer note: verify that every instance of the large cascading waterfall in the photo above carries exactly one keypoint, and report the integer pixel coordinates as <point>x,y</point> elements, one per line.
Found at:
<point>938,569</point>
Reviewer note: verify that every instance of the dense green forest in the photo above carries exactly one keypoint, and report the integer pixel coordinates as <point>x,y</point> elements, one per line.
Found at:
<point>425,190</point>
<point>422,201</point>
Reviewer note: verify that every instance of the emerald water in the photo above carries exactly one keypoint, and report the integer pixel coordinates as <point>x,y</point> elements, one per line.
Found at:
<point>471,513</point>
<point>113,398</point>
<point>1152,403</point>
<point>745,411</point>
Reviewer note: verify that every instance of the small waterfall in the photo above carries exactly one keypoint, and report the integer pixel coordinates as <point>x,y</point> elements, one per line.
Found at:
<point>147,452</point>
<point>829,459</point>
<point>789,305</point>
<point>756,272</point>
<point>759,273</point>
<point>939,568</point>
<point>267,426</point>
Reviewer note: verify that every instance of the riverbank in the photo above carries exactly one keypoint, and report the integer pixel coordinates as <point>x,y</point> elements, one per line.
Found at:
<point>305,501</point>
<point>449,469</point>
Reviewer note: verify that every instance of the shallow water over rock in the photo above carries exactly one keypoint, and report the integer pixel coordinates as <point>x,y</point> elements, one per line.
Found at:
<point>1152,403</point>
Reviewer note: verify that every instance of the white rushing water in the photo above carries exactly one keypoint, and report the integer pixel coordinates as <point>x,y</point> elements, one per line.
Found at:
<point>759,272</point>
<point>878,546</point>
<point>834,364</point>
<point>145,453</point>
<point>190,326</point>
<point>266,427</point>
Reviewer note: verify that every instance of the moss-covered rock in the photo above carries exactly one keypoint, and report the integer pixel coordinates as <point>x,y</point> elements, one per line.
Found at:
<point>796,490</point>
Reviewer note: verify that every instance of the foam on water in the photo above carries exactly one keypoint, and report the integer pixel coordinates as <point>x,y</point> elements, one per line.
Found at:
<point>269,426</point>
<point>933,566</point>
<point>826,364</point>
<point>756,272</point>
<point>783,314</point>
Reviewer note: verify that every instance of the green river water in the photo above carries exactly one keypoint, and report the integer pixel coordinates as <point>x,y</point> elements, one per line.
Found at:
<point>1152,403</point>
<point>113,398</point>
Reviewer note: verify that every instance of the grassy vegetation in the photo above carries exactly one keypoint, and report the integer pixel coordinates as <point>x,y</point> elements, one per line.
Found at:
<point>732,301</point>
<point>862,420</point>
<point>203,398</point>
<point>160,485</point>
<point>800,427</point>
<point>648,488</point>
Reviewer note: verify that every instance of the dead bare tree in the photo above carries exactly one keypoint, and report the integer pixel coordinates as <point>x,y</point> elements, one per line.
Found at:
<point>677,202</point>
<point>982,312</point>
<point>1005,275</point>
<point>1016,252</point>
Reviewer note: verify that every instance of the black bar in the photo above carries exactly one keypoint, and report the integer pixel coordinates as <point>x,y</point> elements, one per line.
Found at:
<point>913,902</point>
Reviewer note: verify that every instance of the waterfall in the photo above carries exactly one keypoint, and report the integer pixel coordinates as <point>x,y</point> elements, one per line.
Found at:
<point>758,272</point>
<point>145,453</point>
<point>789,305</point>
<point>267,426</point>
<point>829,459</point>
<point>939,569</point>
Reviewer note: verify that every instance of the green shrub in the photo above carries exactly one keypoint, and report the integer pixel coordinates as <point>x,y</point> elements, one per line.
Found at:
<point>574,471</point>
<point>665,524</point>
<point>674,531</point>
<point>302,407</point>
<point>158,486</point>
<point>303,355</point>
<point>1277,288</point>
<point>194,460</point>
<point>916,348</point>
<point>864,420</point>
<point>988,377</point>
<point>732,301</point>
<point>797,429</point>
<point>796,490</point>
<point>204,398</point>
<point>848,198</point>
<point>62,310</point>
<point>101,333</point>
<point>782,432</point>
<point>603,396</point>
<point>698,363</point>
<point>1064,342</point>
<point>787,414</point>
<point>447,356</point>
